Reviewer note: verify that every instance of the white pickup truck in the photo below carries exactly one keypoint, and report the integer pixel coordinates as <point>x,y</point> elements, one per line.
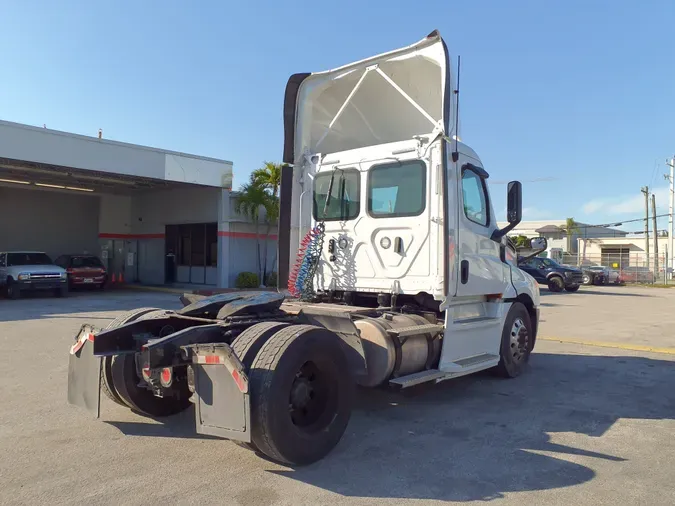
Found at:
<point>31,271</point>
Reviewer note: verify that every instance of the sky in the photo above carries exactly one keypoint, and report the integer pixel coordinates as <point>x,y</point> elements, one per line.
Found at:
<point>579,95</point>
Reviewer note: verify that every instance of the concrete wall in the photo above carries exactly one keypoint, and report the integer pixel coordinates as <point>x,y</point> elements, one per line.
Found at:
<point>54,222</point>
<point>152,211</point>
<point>243,249</point>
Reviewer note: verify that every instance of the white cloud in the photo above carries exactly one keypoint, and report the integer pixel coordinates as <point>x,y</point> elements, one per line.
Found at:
<point>626,204</point>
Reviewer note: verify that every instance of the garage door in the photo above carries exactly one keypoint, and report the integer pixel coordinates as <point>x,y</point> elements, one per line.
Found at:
<point>54,222</point>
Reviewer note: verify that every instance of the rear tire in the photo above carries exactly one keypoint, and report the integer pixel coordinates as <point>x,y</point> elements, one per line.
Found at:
<point>517,342</point>
<point>142,400</point>
<point>301,395</point>
<point>572,288</point>
<point>107,386</point>
<point>556,284</point>
<point>247,345</point>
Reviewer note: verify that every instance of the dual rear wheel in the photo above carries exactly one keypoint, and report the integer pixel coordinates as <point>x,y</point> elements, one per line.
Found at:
<point>121,384</point>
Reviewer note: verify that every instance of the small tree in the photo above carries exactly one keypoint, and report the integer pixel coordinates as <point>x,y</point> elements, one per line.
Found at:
<point>251,200</point>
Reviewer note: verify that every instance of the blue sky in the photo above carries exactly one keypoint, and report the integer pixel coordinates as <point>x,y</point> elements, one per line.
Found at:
<point>582,92</point>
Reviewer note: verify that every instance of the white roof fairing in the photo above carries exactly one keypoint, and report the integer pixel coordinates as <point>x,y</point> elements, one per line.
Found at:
<point>386,98</point>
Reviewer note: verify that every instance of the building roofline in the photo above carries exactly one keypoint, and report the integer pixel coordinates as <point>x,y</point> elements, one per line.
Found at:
<point>110,142</point>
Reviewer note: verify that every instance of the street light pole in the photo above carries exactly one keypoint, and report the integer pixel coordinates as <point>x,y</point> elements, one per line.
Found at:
<point>671,206</point>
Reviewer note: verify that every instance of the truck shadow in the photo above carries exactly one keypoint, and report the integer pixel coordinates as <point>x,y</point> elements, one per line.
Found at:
<point>477,438</point>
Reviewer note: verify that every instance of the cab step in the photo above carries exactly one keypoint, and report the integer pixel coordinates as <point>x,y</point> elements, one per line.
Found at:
<point>478,359</point>
<point>415,330</point>
<point>417,378</point>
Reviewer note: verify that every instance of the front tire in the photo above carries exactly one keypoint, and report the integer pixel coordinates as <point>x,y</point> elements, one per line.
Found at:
<point>556,284</point>
<point>301,395</point>
<point>13,291</point>
<point>517,342</point>
<point>586,280</point>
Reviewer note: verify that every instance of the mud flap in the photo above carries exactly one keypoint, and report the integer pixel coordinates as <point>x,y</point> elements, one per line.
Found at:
<point>84,373</point>
<point>221,393</point>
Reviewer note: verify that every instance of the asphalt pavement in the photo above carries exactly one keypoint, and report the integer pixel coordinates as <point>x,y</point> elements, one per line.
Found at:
<point>586,424</point>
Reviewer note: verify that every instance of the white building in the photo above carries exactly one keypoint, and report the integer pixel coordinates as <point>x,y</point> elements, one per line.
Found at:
<point>555,233</point>
<point>153,216</point>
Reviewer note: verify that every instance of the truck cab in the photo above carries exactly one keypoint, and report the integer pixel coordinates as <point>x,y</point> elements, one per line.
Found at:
<point>403,204</point>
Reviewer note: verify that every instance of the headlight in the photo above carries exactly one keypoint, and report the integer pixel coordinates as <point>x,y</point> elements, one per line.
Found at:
<point>64,275</point>
<point>24,276</point>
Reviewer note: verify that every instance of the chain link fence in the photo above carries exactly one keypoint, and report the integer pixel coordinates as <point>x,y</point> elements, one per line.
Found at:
<point>624,267</point>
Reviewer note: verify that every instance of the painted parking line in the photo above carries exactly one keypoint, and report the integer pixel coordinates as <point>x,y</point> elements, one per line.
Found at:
<point>619,346</point>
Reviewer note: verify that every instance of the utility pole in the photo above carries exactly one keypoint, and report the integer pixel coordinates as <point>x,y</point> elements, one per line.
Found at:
<point>671,206</point>
<point>645,190</point>
<point>656,239</point>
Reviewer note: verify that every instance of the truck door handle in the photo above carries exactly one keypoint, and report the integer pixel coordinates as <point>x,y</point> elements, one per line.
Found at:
<point>398,245</point>
<point>464,271</point>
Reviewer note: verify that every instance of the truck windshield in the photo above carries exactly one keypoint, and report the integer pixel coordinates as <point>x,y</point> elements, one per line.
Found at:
<point>343,201</point>
<point>27,259</point>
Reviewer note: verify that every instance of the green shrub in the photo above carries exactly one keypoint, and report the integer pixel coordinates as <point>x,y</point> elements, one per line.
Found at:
<point>271,279</point>
<point>247,280</point>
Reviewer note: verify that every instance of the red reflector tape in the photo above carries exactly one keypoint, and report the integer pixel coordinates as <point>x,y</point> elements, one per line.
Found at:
<point>212,359</point>
<point>241,384</point>
<point>80,342</point>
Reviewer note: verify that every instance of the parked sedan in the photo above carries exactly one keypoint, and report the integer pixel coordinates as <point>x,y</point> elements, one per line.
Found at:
<point>593,276</point>
<point>611,276</point>
<point>634,274</point>
<point>83,270</point>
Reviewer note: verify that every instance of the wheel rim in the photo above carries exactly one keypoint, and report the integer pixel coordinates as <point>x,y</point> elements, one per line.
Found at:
<point>519,340</point>
<point>587,279</point>
<point>309,402</point>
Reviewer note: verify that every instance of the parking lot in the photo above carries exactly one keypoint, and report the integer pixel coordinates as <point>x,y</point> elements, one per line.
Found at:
<point>591,422</point>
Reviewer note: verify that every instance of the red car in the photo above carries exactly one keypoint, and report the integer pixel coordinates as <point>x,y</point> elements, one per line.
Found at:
<point>83,270</point>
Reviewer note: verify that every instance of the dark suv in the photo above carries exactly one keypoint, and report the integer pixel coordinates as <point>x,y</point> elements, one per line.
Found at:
<point>551,273</point>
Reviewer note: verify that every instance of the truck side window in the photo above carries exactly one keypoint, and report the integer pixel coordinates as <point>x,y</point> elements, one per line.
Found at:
<point>397,189</point>
<point>475,198</point>
<point>345,200</point>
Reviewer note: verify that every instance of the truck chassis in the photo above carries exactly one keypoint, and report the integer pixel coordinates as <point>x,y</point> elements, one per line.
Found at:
<point>276,376</point>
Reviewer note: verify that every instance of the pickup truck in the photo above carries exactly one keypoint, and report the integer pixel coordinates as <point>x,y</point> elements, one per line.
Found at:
<point>549,272</point>
<point>28,271</point>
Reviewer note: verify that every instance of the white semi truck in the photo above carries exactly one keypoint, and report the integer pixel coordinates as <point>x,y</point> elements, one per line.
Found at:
<point>392,272</point>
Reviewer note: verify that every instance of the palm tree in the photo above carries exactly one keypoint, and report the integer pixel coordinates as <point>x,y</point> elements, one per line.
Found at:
<point>570,228</point>
<point>268,177</point>
<point>251,199</point>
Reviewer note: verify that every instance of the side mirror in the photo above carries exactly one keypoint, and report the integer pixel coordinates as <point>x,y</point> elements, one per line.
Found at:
<point>514,210</point>
<point>514,206</point>
<point>538,243</point>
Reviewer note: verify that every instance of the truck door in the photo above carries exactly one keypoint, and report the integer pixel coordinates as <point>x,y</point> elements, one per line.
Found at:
<point>480,270</point>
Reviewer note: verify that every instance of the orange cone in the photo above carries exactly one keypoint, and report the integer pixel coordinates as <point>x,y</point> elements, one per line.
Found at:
<point>114,280</point>
<point>121,280</point>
